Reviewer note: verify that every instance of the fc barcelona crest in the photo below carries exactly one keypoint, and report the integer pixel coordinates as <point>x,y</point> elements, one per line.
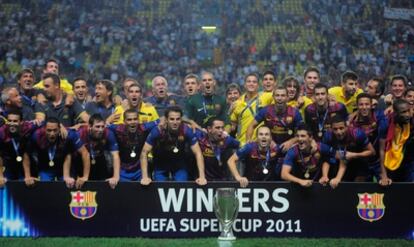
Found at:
<point>371,206</point>
<point>83,204</point>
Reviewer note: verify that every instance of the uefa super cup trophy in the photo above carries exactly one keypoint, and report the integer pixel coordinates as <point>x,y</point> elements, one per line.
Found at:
<point>226,207</point>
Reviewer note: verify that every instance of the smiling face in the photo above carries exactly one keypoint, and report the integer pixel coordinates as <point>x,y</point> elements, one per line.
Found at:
<point>291,90</point>
<point>131,121</point>
<point>101,93</point>
<point>232,95</point>
<point>280,97</point>
<point>339,129</point>
<point>15,100</point>
<point>173,120</point>
<point>371,88</point>
<point>269,83</point>
<point>13,123</point>
<point>80,89</point>
<point>97,129</point>
<point>364,106</point>
<point>397,88</point>
<point>26,81</point>
<point>311,79</point>
<point>51,67</point>
<point>304,139</point>
<point>251,84</point>
<point>50,88</point>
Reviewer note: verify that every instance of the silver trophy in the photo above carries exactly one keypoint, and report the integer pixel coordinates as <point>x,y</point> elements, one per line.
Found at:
<point>226,207</point>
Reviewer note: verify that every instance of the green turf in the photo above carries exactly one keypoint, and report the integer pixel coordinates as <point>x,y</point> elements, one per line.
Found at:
<point>247,242</point>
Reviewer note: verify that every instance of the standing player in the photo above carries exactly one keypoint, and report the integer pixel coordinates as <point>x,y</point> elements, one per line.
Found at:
<point>374,124</point>
<point>14,137</point>
<point>169,150</point>
<point>260,158</point>
<point>54,155</point>
<point>353,148</point>
<point>348,91</point>
<point>200,107</point>
<point>131,137</point>
<point>99,140</point>
<point>216,148</point>
<point>303,164</point>
<point>318,115</point>
<point>281,119</point>
<point>247,106</point>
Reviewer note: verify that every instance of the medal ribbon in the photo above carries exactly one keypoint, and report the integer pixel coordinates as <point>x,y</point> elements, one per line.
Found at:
<point>321,124</point>
<point>16,146</point>
<point>51,152</point>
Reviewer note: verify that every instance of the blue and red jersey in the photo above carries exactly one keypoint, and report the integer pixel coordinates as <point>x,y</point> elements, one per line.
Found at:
<point>212,153</point>
<point>257,161</point>
<point>282,126</point>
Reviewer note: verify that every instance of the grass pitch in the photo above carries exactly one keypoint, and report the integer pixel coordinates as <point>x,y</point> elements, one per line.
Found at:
<point>202,242</point>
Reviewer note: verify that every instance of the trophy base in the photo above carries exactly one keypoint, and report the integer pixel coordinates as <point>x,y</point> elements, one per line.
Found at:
<point>227,236</point>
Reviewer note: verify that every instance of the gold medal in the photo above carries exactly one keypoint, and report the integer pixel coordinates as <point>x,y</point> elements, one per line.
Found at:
<point>51,163</point>
<point>93,161</point>
<point>175,150</point>
<point>290,132</point>
<point>19,158</point>
<point>265,171</point>
<point>133,154</point>
<point>320,134</point>
<point>307,175</point>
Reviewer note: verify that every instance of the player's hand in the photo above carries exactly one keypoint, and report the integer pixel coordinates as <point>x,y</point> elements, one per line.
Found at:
<point>306,183</point>
<point>385,181</point>
<point>201,181</point>
<point>117,100</point>
<point>243,182</point>
<point>80,181</point>
<point>3,181</point>
<point>30,181</point>
<point>113,118</point>
<point>113,182</point>
<point>63,132</point>
<point>69,181</point>
<point>324,180</point>
<point>286,145</point>
<point>334,182</point>
<point>69,100</point>
<point>300,101</point>
<point>388,99</point>
<point>146,181</point>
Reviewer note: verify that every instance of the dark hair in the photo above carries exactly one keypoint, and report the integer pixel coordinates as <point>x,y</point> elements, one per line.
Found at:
<point>381,85</point>
<point>108,84</point>
<point>135,84</point>
<point>363,95</point>
<point>173,109</point>
<point>15,111</point>
<point>399,77</point>
<point>79,79</point>
<point>269,72</point>
<point>95,118</point>
<point>50,60</point>
<point>129,111</point>
<point>311,69</point>
<point>338,119</point>
<point>408,90</point>
<point>292,79</point>
<point>52,120</point>
<point>55,78</point>
<point>232,86</point>
<point>24,71</point>
<point>349,75</point>
<point>211,120</point>
<point>397,103</point>
<point>320,85</point>
<point>304,127</point>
